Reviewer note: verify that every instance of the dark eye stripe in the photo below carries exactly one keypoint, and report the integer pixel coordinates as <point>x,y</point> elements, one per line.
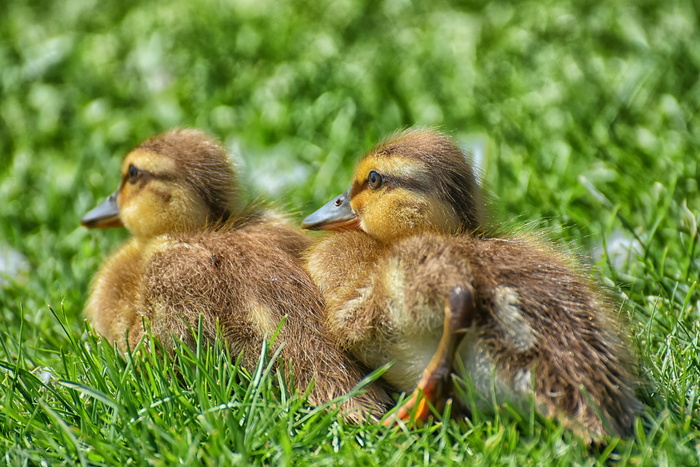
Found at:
<point>409,183</point>
<point>391,182</point>
<point>135,175</point>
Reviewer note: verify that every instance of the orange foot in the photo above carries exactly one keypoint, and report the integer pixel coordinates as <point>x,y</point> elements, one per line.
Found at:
<point>434,386</point>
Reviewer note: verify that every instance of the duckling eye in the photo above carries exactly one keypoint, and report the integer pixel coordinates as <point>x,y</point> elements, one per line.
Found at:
<point>374,180</point>
<point>133,173</point>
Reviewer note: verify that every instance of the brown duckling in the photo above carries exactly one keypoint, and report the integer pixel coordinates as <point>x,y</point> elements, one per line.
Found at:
<point>414,281</point>
<point>194,252</point>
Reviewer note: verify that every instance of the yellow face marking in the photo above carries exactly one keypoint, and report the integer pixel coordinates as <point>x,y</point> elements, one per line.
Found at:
<point>158,202</point>
<point>398,167</point>
<point>148,161</point>
<point>405,204</point>
<point>393,170</point>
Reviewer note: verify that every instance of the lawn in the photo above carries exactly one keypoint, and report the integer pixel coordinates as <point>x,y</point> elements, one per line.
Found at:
<point>584,118</point>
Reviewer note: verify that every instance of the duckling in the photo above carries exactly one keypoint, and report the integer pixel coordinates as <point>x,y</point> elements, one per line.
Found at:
<point>412,278</point>
<point>195,252</point>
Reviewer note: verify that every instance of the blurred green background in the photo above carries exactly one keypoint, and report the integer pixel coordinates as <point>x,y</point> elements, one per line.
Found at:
<point>584,116</point>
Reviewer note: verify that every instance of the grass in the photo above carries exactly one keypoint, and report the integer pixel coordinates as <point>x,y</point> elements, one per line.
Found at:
<point>585,115</point>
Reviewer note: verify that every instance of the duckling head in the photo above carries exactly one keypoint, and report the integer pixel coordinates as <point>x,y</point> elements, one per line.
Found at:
<point>179,181</point>
<point>415,182</point>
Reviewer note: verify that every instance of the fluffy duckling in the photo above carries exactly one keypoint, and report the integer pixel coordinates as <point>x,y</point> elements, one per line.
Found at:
<point>194,252</point>
<point>412,280</point>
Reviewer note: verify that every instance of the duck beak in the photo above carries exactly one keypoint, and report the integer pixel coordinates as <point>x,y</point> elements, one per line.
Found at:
<point>334,215</point>
<point>104,216</point>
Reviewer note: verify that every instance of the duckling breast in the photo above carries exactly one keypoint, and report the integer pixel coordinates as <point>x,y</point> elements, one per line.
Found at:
<point>112,305</point>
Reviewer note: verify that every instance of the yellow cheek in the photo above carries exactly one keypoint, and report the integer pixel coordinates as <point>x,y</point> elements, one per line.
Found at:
<point>387,216</point>
<point>149,212</point>
<point>143,215</point>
